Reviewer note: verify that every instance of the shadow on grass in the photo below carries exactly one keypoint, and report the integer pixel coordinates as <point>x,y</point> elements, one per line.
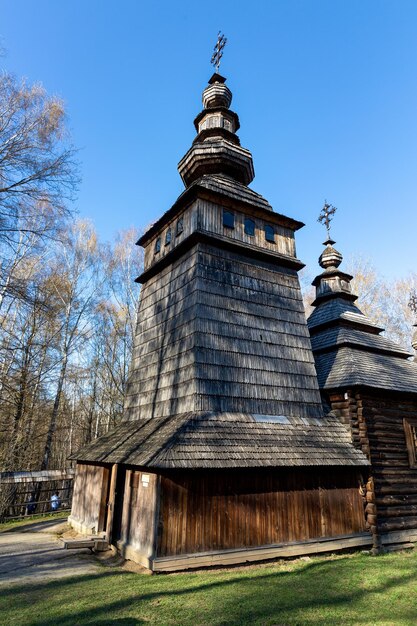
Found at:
<point>323,589</point>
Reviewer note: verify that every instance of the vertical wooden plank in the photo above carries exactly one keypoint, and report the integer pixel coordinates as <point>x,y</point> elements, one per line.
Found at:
<point>110,513</point>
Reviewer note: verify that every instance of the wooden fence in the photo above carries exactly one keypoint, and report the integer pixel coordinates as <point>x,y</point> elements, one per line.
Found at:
<point>30,493</point>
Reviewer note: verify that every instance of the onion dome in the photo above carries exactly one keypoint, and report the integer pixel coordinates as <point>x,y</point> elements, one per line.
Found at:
<point>330,257</point>
<point>217,94</point>
<point>217,149</point>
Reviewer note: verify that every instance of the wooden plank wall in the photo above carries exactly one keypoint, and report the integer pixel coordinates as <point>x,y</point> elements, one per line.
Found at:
<point>189,217</point>
<point>207,217</point>
<point>210,220</point>
<point>139,512</point>
<point>89,499</point>
<point>206,511</point>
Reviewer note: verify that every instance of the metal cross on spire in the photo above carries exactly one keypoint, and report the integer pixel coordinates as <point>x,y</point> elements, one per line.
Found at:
<point>326,216</point>
<point>218,50</point>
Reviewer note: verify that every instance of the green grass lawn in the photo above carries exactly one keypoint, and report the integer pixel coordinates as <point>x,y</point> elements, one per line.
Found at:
<point>31,519</point>
<point>343,589</point>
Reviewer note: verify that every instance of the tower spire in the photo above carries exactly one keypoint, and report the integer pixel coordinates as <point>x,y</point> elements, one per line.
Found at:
<point>216,150</point>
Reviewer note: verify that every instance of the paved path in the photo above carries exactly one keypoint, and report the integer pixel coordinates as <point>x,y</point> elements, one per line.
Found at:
<point>37,556</point>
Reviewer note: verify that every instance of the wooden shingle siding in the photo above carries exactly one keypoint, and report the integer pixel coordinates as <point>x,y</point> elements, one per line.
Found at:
<point>165,334</point>
<point>213,511</point>
<point>338,336</point>
<point>337,311</point>
<point>247,323</point>
<point>207,440</point>
<point>234,190</point>
<point>212,306</point>
<point>349,367</point>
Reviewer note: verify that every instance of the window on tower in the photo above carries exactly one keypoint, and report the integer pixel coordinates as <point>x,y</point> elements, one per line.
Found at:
<point>249,227</point>
<point>228,219</point>
<point>269,233</point>
<point>157,245</point>
<point>180,226</point>
<point>168,237</point>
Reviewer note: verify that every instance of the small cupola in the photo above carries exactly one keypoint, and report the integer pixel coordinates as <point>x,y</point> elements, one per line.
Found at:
<point>332,283</point>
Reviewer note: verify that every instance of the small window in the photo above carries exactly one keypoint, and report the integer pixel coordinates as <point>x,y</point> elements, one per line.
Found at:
<point>180,226</point>
<point>228,219</point>
<point>168,237</point>
<point>410,429</point>
<point>269,233</point>
<point>157,245</point>
<point>249,227</point>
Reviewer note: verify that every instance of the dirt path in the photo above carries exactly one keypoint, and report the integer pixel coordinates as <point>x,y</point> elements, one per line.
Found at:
<point>35,553</point>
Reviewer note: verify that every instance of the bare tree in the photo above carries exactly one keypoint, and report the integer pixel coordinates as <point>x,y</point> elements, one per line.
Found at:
<point>76,283</point>
<point>38,174</point>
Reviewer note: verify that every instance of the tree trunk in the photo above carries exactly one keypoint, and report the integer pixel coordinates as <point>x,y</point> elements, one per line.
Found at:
<point>54,415</point>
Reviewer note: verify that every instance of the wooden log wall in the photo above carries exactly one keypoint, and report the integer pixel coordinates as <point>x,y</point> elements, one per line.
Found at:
<point>90,496</point>
<point>206,511</point>
<point>377,423</point>
<point>395,481</point>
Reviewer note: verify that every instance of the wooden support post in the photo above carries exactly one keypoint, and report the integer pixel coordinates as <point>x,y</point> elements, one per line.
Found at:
<point>110,505</point>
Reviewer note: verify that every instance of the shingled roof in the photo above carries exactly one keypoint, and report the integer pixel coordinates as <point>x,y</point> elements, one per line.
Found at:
<point>347,346</point>
<point>226,440</point>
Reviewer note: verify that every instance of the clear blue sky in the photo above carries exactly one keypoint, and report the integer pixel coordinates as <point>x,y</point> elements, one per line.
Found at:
<point>326,92</point>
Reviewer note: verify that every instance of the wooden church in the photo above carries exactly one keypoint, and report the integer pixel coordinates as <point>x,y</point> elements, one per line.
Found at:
<point>370,383</point>
<point>227,453</point>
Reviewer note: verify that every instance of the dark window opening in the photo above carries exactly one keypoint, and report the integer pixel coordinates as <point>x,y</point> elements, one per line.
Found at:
<point>180,226</point>
<point>410,429</point>
<point>157,245</point>
<point>228,219</point>
<point>168,237</point>
<point>249,227</point>
<point>269,233</point>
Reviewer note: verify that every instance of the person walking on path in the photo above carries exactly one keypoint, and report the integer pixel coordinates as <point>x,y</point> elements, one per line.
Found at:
<point>55,501</point>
